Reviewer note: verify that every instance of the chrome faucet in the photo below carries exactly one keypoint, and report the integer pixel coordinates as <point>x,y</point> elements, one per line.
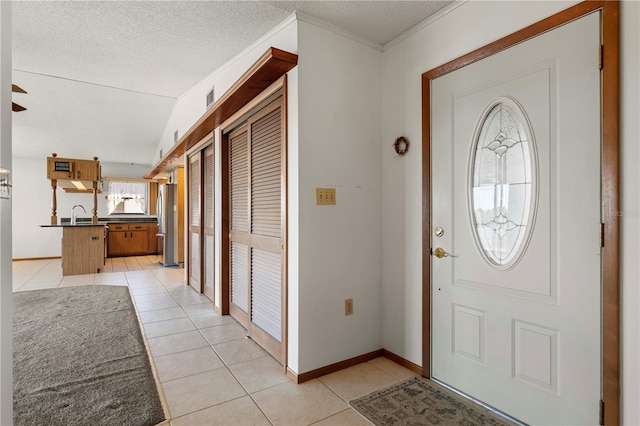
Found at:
<point>73,213</point>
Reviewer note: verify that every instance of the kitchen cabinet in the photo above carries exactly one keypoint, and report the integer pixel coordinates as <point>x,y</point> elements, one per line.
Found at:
<point>73,169</point>
<point>73,175</point>
<point>82,249</point>
<point>87,170</point>
<point>132,239</point>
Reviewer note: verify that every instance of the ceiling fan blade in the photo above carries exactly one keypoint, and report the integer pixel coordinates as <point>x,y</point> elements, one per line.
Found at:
<point>17,89</point>
<point>17,108</point>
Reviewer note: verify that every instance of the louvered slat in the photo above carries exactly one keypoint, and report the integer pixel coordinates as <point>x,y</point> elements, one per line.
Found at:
<point>273,133</point>
<point>268,147</point>
<point>208,189</point>
<point>269,128</point>
<point>265,174</point>
<point>194,201</point>
<point>265,190</point>
<point>208,220</point>
<point>267,194</point>
<point>208,262</point>
<point>239,182</point>
<point>267,201</point>
<point>195,257</point>
<point>263,158</point>
<point>195,182</point>
<point>239,276</point>
<point>266,295</point>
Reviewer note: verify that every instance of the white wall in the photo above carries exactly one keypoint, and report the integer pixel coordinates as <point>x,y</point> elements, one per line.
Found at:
<point>339,132</point>
<point>469,26</point>
<point>6,308</point>
<point>32,198</point>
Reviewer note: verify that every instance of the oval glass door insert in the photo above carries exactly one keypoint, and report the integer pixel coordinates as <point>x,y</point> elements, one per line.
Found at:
<point>503,183</point>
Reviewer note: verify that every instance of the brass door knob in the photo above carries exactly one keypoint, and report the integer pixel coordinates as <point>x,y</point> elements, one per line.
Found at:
<point>439,252</point>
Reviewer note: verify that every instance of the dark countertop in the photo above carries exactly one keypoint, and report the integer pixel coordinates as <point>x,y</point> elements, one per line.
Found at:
<point>114,219</point>
<point>77,225</point>
<point>102,221</point>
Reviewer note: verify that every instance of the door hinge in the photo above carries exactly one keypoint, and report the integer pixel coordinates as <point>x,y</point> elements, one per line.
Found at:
<point>601,57</point>
<point>601,421</point>
<point>601,234</point>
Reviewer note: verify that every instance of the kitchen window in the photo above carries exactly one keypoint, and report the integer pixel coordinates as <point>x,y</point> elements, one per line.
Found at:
<point>127,197</point>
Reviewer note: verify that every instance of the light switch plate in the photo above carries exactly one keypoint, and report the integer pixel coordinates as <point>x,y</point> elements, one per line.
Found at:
<point>348,307</point>
<point>326,196</point>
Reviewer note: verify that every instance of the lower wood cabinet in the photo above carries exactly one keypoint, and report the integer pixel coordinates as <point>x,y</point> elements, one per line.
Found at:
<point>82,249</point>
<point>132,239</point>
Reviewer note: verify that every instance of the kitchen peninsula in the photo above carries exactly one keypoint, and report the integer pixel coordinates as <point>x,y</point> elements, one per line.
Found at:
<point>83,245</point>
<point>86,242</point>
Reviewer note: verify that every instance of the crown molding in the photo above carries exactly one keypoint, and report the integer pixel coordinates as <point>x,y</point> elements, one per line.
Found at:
<point>304,17</point>
<point>430,20</point>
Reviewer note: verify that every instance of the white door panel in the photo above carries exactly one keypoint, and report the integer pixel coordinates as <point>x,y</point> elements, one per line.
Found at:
<point>523,336</point>
<point>531,276</point>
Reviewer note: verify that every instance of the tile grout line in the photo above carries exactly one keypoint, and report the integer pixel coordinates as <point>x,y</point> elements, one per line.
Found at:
<point>260,408</point>
<point>201,335</point>
<point>34,275</point>
<point>154,370</point>
<point>349,407</point>
<point>243,387</point>
<point>165,402</point>
<point>224,363</point>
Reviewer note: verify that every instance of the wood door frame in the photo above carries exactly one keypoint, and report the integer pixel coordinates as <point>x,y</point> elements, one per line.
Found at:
<point>200,288</point>
<point>203,218</point>
<point>276,90</point>
<point>198,150</point>
<point>610,185</point>
<point>186,229</point>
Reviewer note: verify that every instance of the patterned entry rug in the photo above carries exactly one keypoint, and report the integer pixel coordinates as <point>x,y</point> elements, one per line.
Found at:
<point>417,401</point>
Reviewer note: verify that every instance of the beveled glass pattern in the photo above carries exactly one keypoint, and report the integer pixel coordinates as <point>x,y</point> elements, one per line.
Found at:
<point>502,184</point>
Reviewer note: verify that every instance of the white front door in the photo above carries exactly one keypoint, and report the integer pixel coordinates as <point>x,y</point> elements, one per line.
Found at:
<point>516,207</point>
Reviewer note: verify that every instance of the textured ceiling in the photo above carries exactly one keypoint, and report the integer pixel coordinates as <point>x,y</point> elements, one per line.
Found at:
<point>102,76</point>
<point>378,21</point>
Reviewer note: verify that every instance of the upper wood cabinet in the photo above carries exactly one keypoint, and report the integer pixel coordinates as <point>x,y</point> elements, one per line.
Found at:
<point>73,169</point>
<point>87,170</point>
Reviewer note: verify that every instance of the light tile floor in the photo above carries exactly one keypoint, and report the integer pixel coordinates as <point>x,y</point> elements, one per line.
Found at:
<point>210,374</point>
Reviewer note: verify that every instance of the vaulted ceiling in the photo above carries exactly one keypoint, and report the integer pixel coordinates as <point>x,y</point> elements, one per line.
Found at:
<point>103,76</point>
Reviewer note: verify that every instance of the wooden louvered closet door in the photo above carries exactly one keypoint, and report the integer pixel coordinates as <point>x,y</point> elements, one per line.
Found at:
<point>195,189</point>
<point>208,223</point>
<point>256,186</point>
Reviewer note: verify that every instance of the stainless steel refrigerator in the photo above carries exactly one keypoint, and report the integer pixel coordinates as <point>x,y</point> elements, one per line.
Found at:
<point>167,222</point>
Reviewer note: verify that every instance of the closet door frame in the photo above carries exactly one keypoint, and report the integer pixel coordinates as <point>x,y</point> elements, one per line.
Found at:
<point>189,266</point>
<point>208,231</point>
<point>278,90</point>
<point>199,151</point>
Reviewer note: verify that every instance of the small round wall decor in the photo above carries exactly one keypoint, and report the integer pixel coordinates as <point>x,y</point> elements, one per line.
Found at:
<point>401,145</point>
